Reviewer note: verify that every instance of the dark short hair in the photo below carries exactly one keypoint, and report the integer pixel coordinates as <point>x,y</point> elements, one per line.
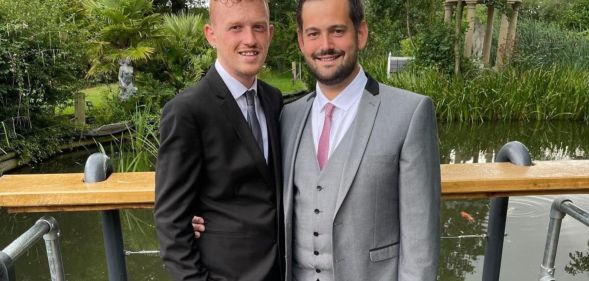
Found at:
<point>356,12</point>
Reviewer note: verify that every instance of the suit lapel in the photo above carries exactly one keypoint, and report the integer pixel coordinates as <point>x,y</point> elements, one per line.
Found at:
<point>273,138</point>
<point>271,125</point>
<point>365,118</point>
<point>235,116</point>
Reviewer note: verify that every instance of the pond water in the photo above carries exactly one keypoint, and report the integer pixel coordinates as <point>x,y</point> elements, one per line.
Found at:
<point>461,258</point>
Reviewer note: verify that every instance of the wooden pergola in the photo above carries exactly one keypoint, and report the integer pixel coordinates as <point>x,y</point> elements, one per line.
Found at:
<point>506,31</point>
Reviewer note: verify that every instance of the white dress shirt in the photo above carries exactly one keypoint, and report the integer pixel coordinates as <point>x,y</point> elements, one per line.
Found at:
<point>238,90</point>
<point>344,112</point>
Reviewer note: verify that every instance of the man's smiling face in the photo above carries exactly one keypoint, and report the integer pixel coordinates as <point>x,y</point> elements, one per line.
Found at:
<point>329,41</point>
<point>241,33</point>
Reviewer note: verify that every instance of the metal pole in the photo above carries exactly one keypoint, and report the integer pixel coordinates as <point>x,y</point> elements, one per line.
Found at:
<point>6,268</point>
<point>98,168</point>
<point>45,227</point>
<point>113,246</point>
<point>547,266</point>
<point>53,249</point>
<point>26,240</point>
<point>579,214</point>
<point>560,208</point>
<point>495,237</point>
<point>516,153</point>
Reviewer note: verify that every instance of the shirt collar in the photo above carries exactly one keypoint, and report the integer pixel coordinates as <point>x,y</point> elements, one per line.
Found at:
<point>235,87</point>
<point>348,96</point>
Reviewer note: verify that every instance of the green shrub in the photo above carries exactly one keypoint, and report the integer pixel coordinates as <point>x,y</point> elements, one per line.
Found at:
<point>571,14</point>
<point>435,48</point>
<point>42,57</point>
<point>35,144</point>
<point>577,17</point>
<point>407,47</point>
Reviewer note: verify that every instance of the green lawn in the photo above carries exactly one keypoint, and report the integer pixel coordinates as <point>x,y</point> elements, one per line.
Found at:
<point>282,81</point>
<point>96,95</point>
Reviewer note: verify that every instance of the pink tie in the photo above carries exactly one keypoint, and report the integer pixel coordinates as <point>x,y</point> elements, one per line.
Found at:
<point>323,150</point>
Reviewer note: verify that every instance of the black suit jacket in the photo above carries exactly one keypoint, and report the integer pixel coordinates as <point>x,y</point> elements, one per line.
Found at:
<point>210,165</point>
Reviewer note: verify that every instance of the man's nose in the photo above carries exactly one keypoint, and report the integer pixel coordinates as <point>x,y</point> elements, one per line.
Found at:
<point>249,37</point>
<point>326,42</point>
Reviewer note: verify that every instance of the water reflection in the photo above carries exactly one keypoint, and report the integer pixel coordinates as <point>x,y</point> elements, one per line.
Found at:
<point>459,254</point>
<point>461,258</point>
<point>579,262</point>
<point>468,143</point>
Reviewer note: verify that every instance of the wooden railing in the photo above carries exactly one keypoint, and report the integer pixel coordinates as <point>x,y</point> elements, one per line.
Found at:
<point>67,192</point>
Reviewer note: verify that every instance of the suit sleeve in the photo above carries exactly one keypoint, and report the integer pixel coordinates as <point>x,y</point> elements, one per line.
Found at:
<point>178,170</point>
<point>419,197</point>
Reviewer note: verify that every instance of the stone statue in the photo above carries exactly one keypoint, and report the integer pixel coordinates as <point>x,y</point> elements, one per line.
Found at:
<point>478,38</point>
<point>126,84</point>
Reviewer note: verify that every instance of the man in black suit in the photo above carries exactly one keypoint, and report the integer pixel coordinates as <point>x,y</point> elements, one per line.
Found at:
<point>219,158</point>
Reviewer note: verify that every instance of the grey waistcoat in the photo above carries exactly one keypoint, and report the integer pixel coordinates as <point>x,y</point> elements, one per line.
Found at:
<point>315,195</point>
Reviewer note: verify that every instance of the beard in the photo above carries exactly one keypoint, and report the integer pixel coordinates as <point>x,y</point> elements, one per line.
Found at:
<point>341,72</point>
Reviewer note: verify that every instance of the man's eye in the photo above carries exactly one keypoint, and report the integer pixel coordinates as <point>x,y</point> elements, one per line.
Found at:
<point>312,34</point>
<point>235,27</point>
<point>259,28</point>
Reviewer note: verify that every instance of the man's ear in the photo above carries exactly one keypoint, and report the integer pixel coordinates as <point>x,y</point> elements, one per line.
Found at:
<point>300,39</point>
<point>271,31</point>
<point>362,35</point>
<point>210,35</point>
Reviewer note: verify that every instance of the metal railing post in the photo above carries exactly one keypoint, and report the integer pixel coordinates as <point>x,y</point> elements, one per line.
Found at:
<point>98,168</point>
<point>516,153</point>
<point>560,208</point>
<point>45,227</point>
<point>53,253</point>
<point>6,268</point>
<point>113,246</point>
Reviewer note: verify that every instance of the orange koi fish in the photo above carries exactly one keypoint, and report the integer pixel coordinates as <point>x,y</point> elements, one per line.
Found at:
<point>467,216</point>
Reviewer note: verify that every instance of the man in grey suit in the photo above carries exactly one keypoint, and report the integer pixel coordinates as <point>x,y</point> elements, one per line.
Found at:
<point>361,163</point>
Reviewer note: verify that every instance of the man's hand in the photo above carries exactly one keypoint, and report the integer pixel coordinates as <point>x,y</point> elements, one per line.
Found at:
<point>198,225</point>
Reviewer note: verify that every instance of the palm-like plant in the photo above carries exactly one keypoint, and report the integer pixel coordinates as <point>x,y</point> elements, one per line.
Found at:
<point>125,29</point>
<point>182,49</point>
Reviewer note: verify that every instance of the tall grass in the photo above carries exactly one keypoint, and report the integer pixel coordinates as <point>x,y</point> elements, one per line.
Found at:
<point>541,44</point>
<point>552,93</point>
<point>138,152</point>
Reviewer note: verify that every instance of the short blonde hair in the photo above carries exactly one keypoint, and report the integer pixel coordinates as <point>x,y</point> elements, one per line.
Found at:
<point>212,5</point>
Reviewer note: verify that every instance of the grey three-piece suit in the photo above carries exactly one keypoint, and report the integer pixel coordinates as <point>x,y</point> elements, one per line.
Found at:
<point>382,184</point>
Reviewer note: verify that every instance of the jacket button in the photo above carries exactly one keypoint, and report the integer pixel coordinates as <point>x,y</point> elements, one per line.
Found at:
<point>315,233</point>
<point>316,211</point>
<point>318,270</point>
<point>316,253</point>
<point>319,188</point>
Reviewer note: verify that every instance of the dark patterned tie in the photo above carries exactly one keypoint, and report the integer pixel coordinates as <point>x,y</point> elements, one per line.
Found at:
<point>252,119</point>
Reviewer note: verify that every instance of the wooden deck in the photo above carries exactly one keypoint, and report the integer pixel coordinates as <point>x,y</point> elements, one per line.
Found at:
<point>67,192</point>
